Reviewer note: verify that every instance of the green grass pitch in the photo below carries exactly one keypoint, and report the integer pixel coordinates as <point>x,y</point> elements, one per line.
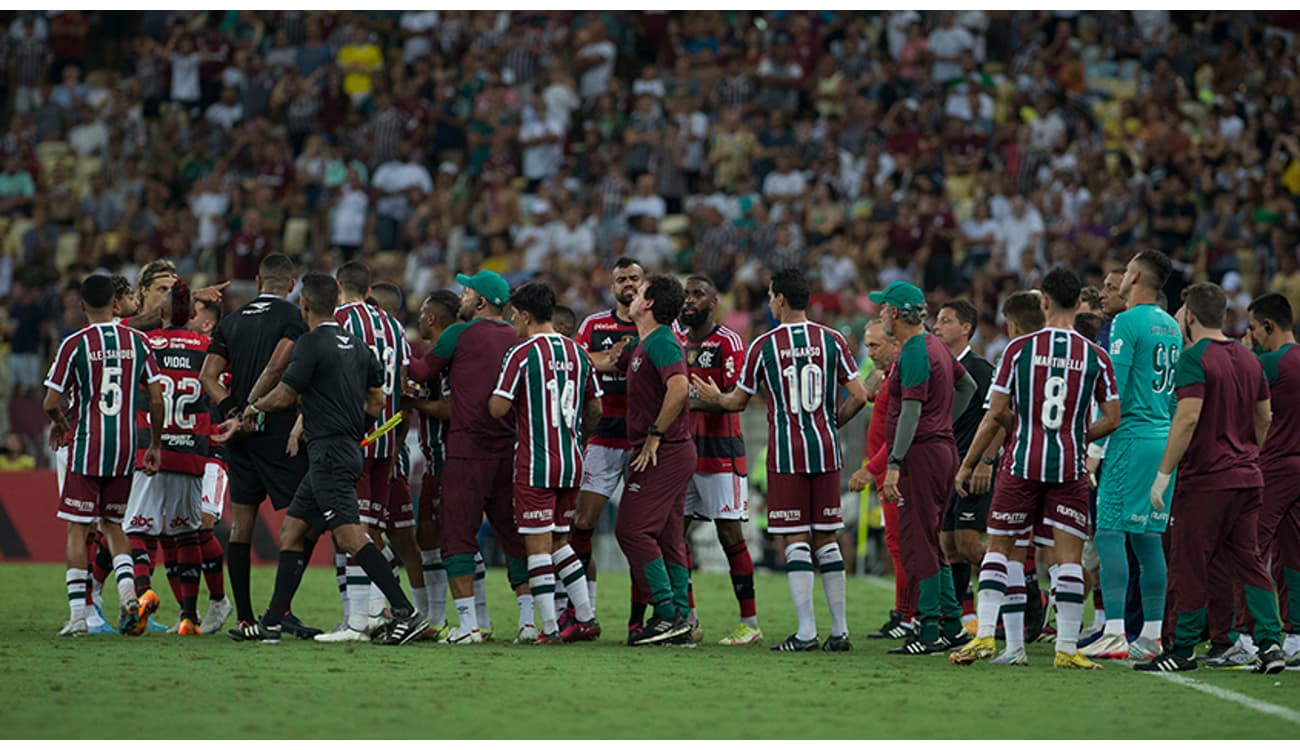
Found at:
<point>211,688</point>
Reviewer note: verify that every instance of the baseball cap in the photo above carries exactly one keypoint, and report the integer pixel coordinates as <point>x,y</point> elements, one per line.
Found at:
<point>487,283</point>
<point>900,294</point>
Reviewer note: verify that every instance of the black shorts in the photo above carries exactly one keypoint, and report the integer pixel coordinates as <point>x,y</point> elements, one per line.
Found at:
<point>259,468</point>
<point>970,512</point>
<point>327,496</point>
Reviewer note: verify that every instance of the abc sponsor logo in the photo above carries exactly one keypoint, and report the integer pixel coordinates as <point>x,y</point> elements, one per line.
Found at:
<point>179,523</point>
<point>141,522</point>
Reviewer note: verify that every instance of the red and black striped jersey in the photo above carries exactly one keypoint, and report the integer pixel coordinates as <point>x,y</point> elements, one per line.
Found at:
<point>99,368</point>
<point>187,416</point>
<point>384,335</point>
<point>719,443</point>
<point>1052,377</point>
<point>598,333</point>
<point>803,365</point>
<point>549,379</point>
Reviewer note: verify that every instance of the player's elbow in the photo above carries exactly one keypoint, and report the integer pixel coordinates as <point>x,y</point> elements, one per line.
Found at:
<point>498,407</point>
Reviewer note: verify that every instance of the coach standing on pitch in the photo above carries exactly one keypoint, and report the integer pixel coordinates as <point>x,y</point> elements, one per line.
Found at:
<point>1220,424</point>
<point>340,383</point>
<point>922,405</point>
<point>256,343</point>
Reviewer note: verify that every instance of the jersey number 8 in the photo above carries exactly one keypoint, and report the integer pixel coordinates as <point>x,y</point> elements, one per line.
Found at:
<point>1053,411</point>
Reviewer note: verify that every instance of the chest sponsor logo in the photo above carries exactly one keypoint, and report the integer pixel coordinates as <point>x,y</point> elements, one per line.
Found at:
<point>345,342</point>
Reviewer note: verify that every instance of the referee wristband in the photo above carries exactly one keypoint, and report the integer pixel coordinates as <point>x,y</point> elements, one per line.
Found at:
<point>229,407</point>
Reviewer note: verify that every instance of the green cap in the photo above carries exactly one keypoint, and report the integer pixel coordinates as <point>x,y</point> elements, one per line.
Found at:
<point>900,294</point>
<point>489,284</point>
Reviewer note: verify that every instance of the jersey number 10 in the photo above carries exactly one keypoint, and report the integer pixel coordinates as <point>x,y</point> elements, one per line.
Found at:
<point>804,388</point>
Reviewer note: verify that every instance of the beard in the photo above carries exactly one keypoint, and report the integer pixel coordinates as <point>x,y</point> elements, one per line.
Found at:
<point>466,313</point>
<point>625,298</point>
<point>694,317</point>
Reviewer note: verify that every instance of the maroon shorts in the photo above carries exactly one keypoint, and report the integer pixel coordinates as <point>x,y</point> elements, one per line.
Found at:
<point>373,490</point>
<point>798,503</point>
<point>89,499</point>
<point>542,510</point>
<point>430,498</point>
<point>471,488</point>
<point>399,514</point>
<point>925,483</point>
<point>1022,506</point>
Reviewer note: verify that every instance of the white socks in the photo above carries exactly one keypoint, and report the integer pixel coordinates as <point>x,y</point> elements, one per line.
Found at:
<point>480,593</point>
<point>358,591</point>
<point>570,573</point>
<point>799,574</point>
<point>1013,606</point>
<point>991,592</point>
<point>465,612</point>
<point>831,564</point>
<point>435,586</point>
<point>76,582</point>
<point>124,572</point>
<point>1069,606</point>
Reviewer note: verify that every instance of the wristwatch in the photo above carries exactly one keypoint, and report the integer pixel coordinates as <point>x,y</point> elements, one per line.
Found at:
<point>655,431</point>
<point>987,460</point>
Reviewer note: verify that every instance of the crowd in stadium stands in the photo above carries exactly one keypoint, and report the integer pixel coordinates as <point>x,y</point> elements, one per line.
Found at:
<point>966,152</point>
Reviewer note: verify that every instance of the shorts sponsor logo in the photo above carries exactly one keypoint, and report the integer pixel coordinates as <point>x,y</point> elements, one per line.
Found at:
<point>634,487</point>
<point>178,523</point>
<point>1009,518</point>
<point>86,506</point>
<point>141,522</point>
<point>831,512</point>
<point>1072,514</point>
<point>966,516</point>
<point>538,515</point>
<point>328,514</point>
<point>785,515</point>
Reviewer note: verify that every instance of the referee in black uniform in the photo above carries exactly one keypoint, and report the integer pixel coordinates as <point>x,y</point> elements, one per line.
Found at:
<point>965,519</point>
<point>340,383</point>
<point>255,344</point>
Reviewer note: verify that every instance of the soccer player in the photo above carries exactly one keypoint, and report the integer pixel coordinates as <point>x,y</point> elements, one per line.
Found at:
<point>100,366</point>
<point>803,365</point>
<point>1219,426</point>
<point>553,388</point>
<point>340,383</point>
<point>608,450</point>
<point>256,343</point>
<point>883,351</point>
<point>1042,397</point>
<point>438,313</point>
<point>564,321</point>
<point>719,490</point>
<point>166,506</point>
<point>216,490</point>
<point>966,516</point>
<point>385,339</point>
<point>477,474</point>
<point>927,390</point>
<point>1144,346</point>
<point>1271,319</point>
<point>651,520</point>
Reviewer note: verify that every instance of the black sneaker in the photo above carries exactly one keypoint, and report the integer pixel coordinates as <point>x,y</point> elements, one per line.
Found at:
<point>382,630</point>
<point>917,647</point>
<point>1271,660</point>
<point>1167,662</point>
<point>894,629</point>
<point>255,631</point>
<point>403,630</point>
<point>957,640</point>
<point>685,640</point>
<point>837,643</point>
<point>658,630</point>
<point>795,643</point>
<point>295,627</point>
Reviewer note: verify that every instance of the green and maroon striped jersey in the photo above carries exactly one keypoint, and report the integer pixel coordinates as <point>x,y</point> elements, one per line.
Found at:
<point>99,368</point>
<point>803,365</point>
<point>1052,377</point>
<point>384,335</point>
<point>550,379</point>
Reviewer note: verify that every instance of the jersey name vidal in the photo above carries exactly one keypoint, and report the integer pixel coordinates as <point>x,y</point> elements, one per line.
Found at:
<point>187,416</point>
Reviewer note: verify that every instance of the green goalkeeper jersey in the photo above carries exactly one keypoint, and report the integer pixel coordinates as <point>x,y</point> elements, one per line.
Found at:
<point>1144,346</point>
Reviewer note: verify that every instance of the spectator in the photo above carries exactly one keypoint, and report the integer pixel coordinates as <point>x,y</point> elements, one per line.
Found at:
<point>594,61</point>
<point>16,455</point>
<point>358,59</point>
<point>1020,232</point>
<point>29,328</point>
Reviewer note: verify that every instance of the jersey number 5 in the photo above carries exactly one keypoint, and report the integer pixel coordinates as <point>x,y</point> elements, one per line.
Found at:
<point>110,390</point>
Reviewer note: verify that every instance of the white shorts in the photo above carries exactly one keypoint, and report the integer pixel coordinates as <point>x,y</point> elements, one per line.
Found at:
<point>61,465</point>
<point>216,489</point>
<point>603,469</point>
<point>165,504</point>
<point>718,497</point>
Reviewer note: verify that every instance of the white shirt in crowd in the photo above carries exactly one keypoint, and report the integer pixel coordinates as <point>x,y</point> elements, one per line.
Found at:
<point>777,186</point>
<point>543,159</point>
<point>595,80</point>
<point>398,177</point>
<point>974,231</point>
<point>208,208</point>
<point>348,219</point>
<point>1018,236</point>
<point>949,42</point>
<point>416,25</point>
<point>652,205</point>
<point>226,116</point>
<point>651,250</point>
<point>185,77</point>
<point>573,244</point>
<point>958,105</point>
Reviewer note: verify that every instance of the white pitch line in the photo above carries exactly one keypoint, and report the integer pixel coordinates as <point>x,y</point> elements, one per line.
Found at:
<point>879,582</point>
<point>1254,704</point>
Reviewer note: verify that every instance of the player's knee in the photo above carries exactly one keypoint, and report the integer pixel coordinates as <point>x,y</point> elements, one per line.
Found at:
<point>730,532</point>
<point>969,548</point>
<point>948,543</point>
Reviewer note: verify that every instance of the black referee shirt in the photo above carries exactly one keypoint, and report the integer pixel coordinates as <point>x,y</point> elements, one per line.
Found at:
<point>332,370</point>
<point>247,338</point>
<point>963,430</point>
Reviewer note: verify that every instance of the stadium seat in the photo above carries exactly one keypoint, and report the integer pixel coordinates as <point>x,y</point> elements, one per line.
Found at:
<point>14,237</point>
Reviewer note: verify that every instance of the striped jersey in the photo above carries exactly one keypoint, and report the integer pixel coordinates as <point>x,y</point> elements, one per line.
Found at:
<point>1052,377</point>
<point>550,379</point>
<point>598,333</point>
<point>387,339</point>
<point>803,365</point>
<point>187,417</point>
<point>719,443</point>
<point>433,437</point>
<point>98,368</point>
